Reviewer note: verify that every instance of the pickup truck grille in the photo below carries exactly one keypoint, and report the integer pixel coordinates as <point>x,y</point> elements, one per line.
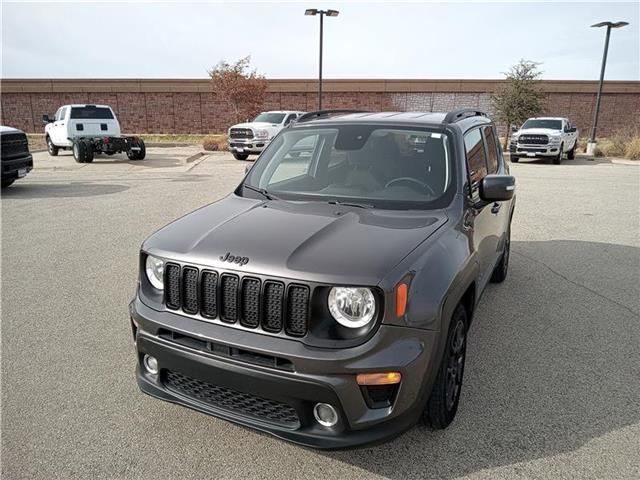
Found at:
<point>241,133</point>
<point>13,144</point>
<point>269,305</point>
<point>533,139</point>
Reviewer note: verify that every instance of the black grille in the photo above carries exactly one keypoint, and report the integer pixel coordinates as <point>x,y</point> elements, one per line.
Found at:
<point>297,310</point>
<point>232,400</point>
<point>273,299</point>
<point>209,294</point>
<point>241,133</point>
<point>533,139</point>
<point>190,290</point>
<point>250,302</point>
<point>14,144</point>
<point>233,299</point>
<point>172,286</point>
<point>229,298</point>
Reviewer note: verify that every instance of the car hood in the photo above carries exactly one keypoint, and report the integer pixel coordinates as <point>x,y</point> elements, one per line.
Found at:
<point>539,131</point>
<point>310,241</point>
<point>255,125</point>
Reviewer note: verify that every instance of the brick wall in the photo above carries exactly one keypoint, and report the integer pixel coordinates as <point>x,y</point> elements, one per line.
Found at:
<point>188,106</point>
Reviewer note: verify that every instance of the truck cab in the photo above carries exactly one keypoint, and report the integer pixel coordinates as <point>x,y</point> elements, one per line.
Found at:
<point>250,138</point>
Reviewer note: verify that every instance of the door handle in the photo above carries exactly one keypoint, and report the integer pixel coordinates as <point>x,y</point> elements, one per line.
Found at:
<point>496,207</point>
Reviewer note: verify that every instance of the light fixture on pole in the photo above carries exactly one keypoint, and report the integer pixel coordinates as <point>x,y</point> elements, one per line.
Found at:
<point>322,13</point>
<point>591,145</point>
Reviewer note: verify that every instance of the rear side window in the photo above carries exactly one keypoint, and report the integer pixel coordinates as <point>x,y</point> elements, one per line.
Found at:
<point>90,112</point>
<point>476,161</point>
<point>492,149</point>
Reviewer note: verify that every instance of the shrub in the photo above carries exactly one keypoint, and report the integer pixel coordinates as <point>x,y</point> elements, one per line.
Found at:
<point>214,143</point>
<point>632,149</point>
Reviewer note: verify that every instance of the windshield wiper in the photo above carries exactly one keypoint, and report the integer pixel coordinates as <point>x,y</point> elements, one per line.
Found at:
<point>349,204</point>
<point>261,191</point>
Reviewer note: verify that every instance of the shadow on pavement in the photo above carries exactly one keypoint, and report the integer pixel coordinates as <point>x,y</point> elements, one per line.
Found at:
<point>552,364</point>
<point>56,190</point>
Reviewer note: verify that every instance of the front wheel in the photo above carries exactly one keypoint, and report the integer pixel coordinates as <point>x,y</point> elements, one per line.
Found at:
<point>515,159</point>
<point>571,154</point>
<point>557,159</point>
<point>240,156</point>
<point>51,148</point>
<point>443,402</point>
<point>6,183</point>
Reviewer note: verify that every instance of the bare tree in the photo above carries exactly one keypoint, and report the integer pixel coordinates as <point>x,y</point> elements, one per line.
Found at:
<point>240,86</point>
<point>520,98</point>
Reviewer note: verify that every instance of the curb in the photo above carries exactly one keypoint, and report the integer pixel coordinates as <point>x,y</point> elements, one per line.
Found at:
<point>194,157</point>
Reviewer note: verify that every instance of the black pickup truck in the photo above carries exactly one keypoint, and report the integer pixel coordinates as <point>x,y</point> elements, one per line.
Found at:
<point>14,152</point>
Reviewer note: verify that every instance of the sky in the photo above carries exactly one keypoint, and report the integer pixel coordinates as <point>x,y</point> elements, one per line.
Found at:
<point>467,40</point>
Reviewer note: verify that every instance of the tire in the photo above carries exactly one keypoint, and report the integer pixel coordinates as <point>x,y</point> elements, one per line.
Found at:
<point>7,183</point>
<point>240,156</point>
<point>78,151</point>
<point>138,155</point>
<point>83,151</point>
<point>557,159</point>
<point>442,404</point>
<point>515,159</point>
<point>571,154</point>
<point>51,148</point>
<point>501,269</point>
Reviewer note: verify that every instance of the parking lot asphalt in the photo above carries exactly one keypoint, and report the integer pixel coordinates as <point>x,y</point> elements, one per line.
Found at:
<point>552,382</point>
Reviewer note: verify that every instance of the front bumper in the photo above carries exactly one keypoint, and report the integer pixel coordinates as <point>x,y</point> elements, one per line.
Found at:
<point>312,375</point>
<point>247,145</point>
<point>14,168</point>
<point>520,150</point>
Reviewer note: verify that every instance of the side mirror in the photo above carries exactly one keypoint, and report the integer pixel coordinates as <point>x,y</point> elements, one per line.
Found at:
<point>497,188</point>
<point>514,129</point>
<point>572,130</point>
<point>46,119</point>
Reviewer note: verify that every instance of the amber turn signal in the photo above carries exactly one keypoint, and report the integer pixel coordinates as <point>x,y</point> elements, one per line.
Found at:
<point>401,299</point>
<point>389,378</point>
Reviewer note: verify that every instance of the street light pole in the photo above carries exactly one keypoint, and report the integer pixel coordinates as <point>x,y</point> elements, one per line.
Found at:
<point>591,145</point>
<point>322,13</point>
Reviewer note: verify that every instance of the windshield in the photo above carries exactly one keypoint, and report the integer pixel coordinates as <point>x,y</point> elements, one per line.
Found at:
<point>536,123</point>
<point>90,112</point>
<point>270,117</point>
<point>371,166</point>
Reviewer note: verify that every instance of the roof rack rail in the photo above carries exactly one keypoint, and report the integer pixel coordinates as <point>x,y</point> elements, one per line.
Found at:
<point>460,113</point>
<point>324,113</point>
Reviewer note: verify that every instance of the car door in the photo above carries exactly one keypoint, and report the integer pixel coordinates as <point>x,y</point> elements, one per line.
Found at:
<point>481,219</point>
<point>496,165</point>
<point>59,130</point>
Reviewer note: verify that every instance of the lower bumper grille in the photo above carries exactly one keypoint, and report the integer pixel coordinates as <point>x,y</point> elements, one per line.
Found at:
<point>232,400</point>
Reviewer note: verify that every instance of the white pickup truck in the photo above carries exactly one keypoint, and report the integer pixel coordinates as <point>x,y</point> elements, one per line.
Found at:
<point>252,137</point>
<point>547,137</point>
<point>87,130</point>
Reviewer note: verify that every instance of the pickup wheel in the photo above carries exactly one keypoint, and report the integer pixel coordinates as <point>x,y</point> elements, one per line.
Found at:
<point>6,183</point>
<point>443,401</point>
<point>557,159</point>
<point>571,154</point>
<point>501,269</point>
<point>515,159</point>
<point>138,154</point>
<point>240,156</point>
<point>51,148</point>
<point>83,151</point>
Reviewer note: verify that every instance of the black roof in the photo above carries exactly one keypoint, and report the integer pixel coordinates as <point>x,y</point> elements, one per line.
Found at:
<point>465,118</point>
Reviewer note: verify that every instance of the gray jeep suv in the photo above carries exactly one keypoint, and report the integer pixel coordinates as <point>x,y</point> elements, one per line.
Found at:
<point>328,299</point>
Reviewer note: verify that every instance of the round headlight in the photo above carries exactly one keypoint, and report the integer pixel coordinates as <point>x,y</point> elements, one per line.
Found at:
<point>155,271</point>
<point>352,307</point>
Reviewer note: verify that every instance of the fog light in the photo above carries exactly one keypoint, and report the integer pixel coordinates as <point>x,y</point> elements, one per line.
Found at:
<point>150,364</point>
<point>325,414</point>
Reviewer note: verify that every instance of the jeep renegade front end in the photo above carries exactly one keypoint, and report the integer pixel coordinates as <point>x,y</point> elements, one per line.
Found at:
<point>327,300</point>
